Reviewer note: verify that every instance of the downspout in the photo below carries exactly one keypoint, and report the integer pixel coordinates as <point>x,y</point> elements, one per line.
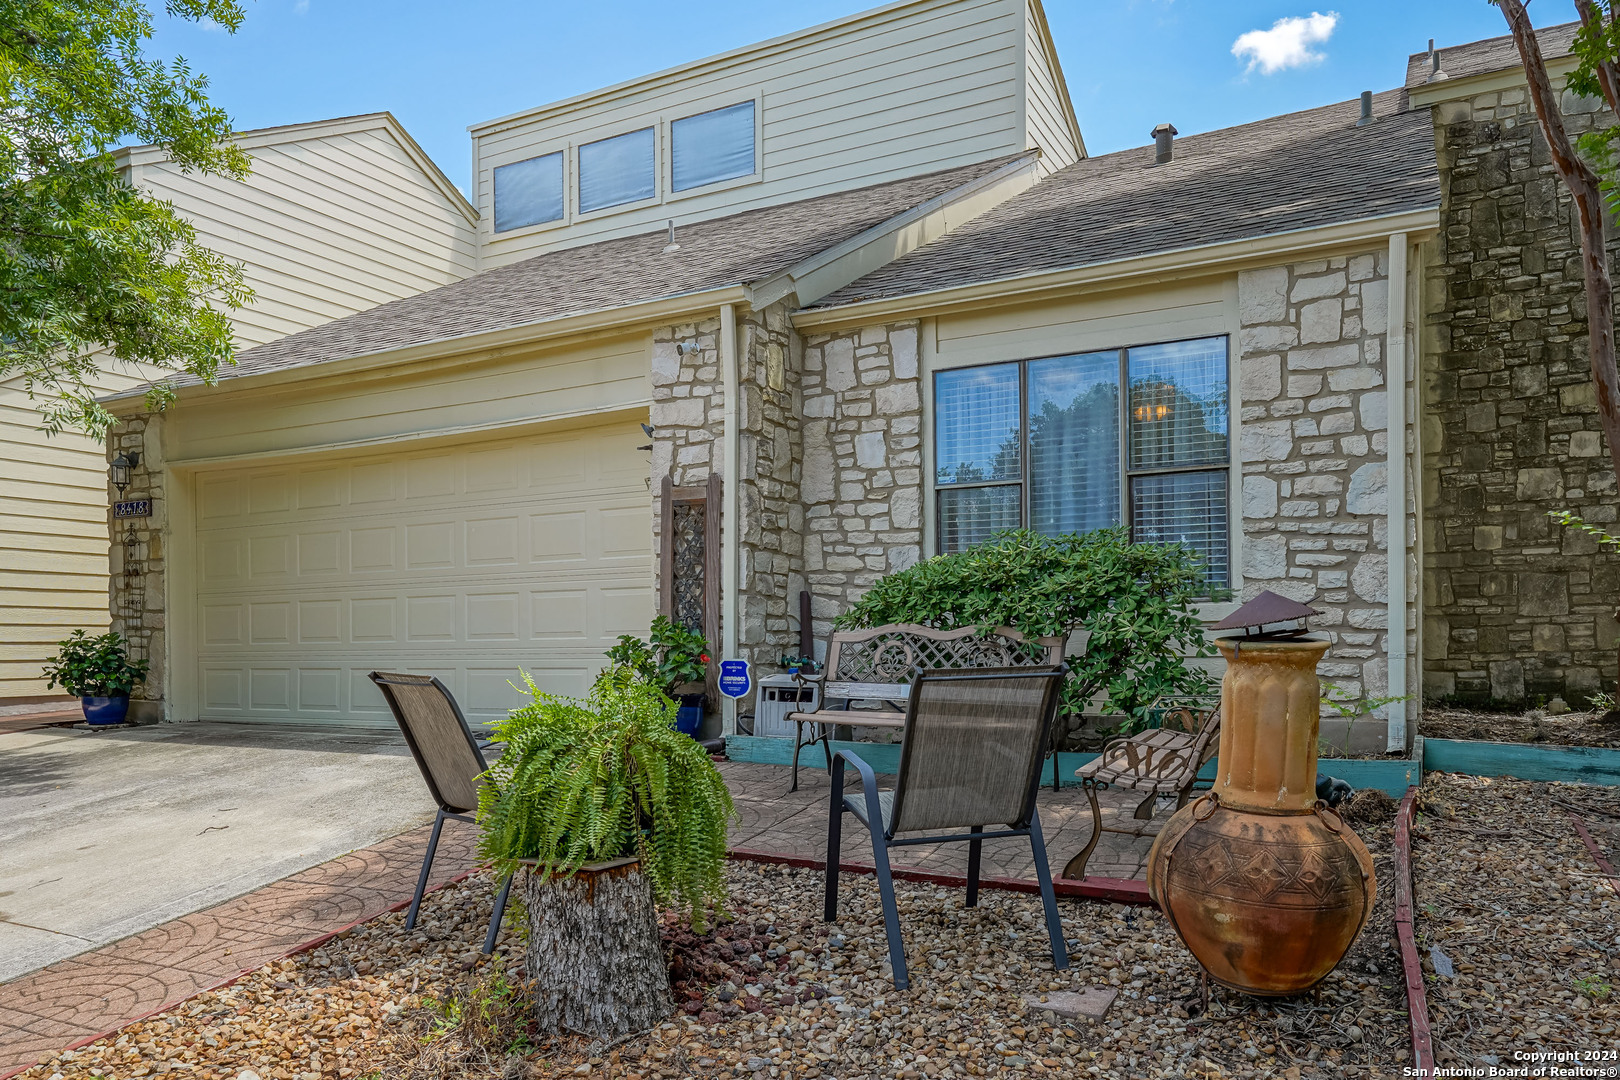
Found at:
<point>730,471</point>
<point>1395,383</point>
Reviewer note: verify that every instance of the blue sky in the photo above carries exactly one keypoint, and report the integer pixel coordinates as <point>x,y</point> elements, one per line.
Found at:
<point>1130,64</point>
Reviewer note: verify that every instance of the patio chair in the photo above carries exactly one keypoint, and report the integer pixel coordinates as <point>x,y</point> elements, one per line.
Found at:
<point>1159,762</point>
<point>451,760</point>
<point>974,744</point>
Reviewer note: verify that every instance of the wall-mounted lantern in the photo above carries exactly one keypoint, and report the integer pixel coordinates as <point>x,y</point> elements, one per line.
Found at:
<point>120,468</point>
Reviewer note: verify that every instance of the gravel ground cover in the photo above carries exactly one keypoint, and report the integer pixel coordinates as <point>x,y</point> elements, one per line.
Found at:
<point>775,993</point>
<point>1523,921</point>
<point>1530,726</point>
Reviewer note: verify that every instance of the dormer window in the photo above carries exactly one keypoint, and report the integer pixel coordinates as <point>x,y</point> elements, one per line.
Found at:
<point>619,170</point>
<point>712,146</point>
<point>529,192</point>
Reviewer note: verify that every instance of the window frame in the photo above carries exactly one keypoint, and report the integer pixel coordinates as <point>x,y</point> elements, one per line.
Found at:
<point>660,154</point>
<point>714,104</point>
<point>562,153</point>
<point>1126,473</point>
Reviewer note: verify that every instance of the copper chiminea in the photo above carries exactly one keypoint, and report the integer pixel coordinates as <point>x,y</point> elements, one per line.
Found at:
<point>1265,884</point>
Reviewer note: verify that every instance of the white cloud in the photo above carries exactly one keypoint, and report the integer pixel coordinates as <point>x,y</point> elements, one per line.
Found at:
<point>1287,44</point>
<point>300,6</point>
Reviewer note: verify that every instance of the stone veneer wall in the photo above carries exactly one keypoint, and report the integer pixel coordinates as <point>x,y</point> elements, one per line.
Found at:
<point>862,480</point>
<point>1515,605</point>
<point>1314,448</point>
<point>688,421</point>
<point>136,590</point>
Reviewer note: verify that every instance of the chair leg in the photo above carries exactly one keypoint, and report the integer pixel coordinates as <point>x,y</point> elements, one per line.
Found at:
<point>826,745</point>
<point>427,868</point>
<point>495,919</point>
<point>975,846</point>
<point>1076,867</point>
<point>798,736</point>
<point>891,912</point>
<point>1043,874</point>
<point>835,829</point>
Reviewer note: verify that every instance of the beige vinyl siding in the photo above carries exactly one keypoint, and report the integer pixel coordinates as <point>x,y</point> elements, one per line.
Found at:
<point>324,227</point>
<point>337,217</point>
<point>467,394</point>
<point>902,91</point>
<point>53,540</point>
<point>1049,118</point>
<point>1103,320</point>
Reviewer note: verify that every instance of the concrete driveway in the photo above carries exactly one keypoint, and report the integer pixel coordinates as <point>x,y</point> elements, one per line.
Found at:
<point>103,834</point>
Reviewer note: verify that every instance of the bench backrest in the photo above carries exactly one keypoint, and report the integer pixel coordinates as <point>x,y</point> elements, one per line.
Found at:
<point>876,664</point>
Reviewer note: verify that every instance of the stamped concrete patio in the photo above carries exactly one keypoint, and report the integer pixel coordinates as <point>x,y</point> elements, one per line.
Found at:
<point>74,1000</point>
<point>770,819</point>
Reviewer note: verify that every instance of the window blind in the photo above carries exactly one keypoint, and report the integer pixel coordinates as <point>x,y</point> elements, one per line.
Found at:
<point>1178,404</point>
<point>712,146</point>
<point>617,170</point>
<point>529,192</point>
<point>1074,443</point>
<point>977,428</point>
<point>1187,508</point>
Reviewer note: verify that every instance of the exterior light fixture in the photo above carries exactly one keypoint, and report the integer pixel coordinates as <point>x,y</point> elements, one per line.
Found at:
<point>120,468</point>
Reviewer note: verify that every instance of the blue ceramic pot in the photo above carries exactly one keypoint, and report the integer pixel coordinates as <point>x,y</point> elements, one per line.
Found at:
<point>690,717</point>
<point>105,710</point>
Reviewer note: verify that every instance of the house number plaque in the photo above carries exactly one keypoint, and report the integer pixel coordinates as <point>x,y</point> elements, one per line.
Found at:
<point>134,508</point>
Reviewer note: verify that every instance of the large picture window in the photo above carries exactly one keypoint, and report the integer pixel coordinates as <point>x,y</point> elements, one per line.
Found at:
<point>712,146</point>
<point>619,170</point>
<point>1053,444</point>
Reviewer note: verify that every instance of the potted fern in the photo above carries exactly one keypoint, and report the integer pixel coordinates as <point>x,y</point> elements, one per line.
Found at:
<point>97,671</point>
<point>604,812</point>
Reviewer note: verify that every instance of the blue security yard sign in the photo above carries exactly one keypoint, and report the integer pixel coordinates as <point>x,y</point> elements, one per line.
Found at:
<point>734,679</point>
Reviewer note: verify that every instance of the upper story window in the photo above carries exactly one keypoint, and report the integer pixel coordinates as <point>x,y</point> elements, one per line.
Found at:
<point>529,192</point>
<point>1054,445</point>
<point>619,170</point>
<point>712,146</point>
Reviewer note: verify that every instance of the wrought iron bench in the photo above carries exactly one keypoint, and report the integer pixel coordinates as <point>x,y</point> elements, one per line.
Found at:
<point>1159,762</point>
<point>874,666</point>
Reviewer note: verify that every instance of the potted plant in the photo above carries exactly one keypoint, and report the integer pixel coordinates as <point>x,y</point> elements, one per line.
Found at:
<point>604,811</point>
<point>99,672</point>
<point>676,661</point>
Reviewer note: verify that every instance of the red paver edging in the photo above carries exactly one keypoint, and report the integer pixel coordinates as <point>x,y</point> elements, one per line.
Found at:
<point>1417,1000</point>
<point>7,1071</point>
<point>1118,890</point>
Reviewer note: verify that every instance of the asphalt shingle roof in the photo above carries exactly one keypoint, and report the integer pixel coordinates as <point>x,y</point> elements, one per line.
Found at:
<point>1278,175</point>
<point>1489,54</point>
<point>721,252</point>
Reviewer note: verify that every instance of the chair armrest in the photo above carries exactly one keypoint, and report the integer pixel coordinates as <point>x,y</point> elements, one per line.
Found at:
<point>874,810</point>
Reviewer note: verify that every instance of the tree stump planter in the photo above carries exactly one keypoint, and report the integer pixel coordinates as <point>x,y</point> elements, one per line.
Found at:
<point>595,959</point>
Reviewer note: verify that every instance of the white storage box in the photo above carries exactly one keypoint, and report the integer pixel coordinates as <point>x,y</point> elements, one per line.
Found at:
<point>776,697</point>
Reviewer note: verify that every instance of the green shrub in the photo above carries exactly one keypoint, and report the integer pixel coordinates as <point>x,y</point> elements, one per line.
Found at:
<point>583,781</point>
<point>1136,601</point>
<point>87,666</point>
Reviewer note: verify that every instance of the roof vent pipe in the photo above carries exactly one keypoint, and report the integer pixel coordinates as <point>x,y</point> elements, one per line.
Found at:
<point>1435,74</point>
<point>1164,137</point>
<point>1366,109</point>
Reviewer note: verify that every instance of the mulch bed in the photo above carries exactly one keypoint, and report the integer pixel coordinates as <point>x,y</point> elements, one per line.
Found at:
<point>1531,726</point>
<point>1514,904</point>
<point>775,993</point>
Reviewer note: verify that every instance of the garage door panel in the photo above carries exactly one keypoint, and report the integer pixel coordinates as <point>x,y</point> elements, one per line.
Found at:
<point>470,563</point>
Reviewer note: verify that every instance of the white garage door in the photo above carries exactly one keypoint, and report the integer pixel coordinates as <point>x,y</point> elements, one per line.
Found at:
<point>468,563</point>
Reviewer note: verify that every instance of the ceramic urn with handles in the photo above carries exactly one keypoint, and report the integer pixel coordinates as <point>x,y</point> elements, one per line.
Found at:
<point>1266,885</point>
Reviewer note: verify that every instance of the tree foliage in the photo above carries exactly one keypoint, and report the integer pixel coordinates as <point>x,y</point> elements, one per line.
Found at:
<point>90,263</point>
<point>1135,604</point>
<point>585,781</point>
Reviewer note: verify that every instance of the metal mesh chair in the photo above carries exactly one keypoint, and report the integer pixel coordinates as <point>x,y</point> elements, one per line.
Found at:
<point>974,743</point>
<point>451,760</point>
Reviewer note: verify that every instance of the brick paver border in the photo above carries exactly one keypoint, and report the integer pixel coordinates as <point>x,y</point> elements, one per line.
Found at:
<point>74,1002</point>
